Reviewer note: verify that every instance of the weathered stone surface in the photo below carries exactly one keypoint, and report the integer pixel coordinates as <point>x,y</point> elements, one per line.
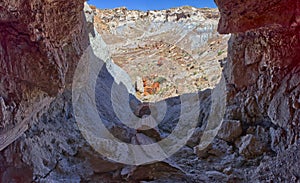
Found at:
<point>264,95</point>
<point>262,72</point>
<point>155,171</point>
<point>251,147</point>
<point>240,16</point>
<point>217,148</point>
<point>230,130</point>
<point>40,43</point>
<point>54,149</point>
<point>282,168</point>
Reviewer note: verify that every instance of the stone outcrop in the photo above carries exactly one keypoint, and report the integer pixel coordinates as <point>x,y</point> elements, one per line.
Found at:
<point>241,16</point>
<point>262,73</point>
<point>40,45</point>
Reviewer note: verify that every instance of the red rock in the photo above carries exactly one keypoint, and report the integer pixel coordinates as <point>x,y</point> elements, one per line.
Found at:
<point>240,16</point>
<point>41,43</point>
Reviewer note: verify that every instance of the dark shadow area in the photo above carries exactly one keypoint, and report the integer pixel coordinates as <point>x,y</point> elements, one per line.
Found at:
<point>104,84</point>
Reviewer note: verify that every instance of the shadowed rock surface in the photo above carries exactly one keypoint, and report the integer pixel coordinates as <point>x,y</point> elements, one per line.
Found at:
<point>40,43</point>
<point>39,55</point>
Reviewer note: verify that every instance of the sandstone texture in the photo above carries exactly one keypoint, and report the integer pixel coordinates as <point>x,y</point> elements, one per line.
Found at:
<point>40,43</point>
<point>241,16</point>
<point>262,73</point>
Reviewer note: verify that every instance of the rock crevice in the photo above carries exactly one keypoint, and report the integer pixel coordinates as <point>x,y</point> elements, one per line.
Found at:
<point>41,44</point>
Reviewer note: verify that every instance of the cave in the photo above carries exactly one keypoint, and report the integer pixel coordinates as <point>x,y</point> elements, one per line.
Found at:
<point>63,101</point>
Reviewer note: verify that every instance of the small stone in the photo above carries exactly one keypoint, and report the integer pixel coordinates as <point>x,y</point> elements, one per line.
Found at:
<point>142,139</point>
<point>230,130</point>
<point>217,148</point>
<point>195,138</point>
<point>251,147</point>
<point>127,170</point>
<point>139,85</point>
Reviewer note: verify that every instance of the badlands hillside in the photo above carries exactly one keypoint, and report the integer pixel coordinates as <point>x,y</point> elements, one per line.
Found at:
<point>179,48</point>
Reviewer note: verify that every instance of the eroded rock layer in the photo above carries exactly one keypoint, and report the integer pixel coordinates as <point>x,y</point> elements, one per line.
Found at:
<point>177,48</point>
<point>262,73</point>
<point>40,43</point>
<point>241,16</point>
<point>257,142</point>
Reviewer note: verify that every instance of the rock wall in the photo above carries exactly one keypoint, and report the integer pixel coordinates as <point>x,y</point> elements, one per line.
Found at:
<point>268,56</point>
<point>263,82</point>
<point>40,43</point>
<point>240,16</point>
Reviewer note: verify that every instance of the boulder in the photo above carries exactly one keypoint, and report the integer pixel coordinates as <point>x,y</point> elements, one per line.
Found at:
<point>230,130</point>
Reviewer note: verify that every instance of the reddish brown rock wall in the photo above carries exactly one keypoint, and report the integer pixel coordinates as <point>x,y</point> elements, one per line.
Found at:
<point>40,42</point>
<point>263,79</point>
<point>240,15</point>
